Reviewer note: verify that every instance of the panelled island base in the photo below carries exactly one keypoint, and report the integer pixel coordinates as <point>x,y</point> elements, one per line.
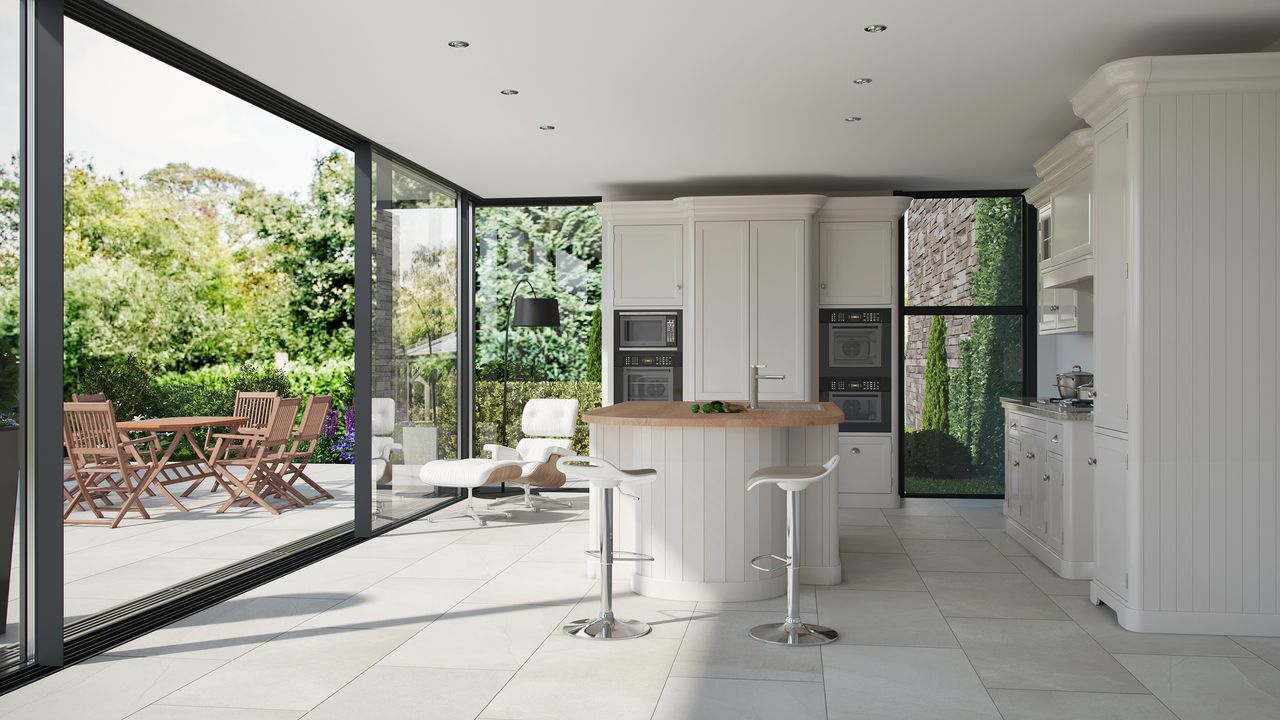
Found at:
<point>697,519</point>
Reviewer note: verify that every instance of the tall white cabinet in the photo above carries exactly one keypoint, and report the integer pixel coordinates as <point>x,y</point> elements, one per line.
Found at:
<point>1185,186</point>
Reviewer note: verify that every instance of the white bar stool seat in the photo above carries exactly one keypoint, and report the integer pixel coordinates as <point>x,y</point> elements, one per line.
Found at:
<point>469,473</point>
<point>607,477</point>
<point>792,481</point>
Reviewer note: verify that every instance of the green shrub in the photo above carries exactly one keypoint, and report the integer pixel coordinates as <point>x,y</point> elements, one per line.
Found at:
<point>935,453</point>
<point>125,380</point>
<point>595,348</point>
<point>211,390</point>
<point>937,377</point>
<point>488,417</point>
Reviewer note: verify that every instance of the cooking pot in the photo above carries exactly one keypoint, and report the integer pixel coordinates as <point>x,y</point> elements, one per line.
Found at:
<point>1068,382</point>
<point>1086,392</point>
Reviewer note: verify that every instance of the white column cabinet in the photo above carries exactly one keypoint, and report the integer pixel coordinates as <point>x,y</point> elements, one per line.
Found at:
<point>1111,210</point>
<point>780,314</point>
<point>1111,513</point>
<point>855,264</point>
<point>648,266</point>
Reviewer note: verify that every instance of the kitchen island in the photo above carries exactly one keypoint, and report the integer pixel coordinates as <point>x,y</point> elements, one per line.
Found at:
<point>697,519</point>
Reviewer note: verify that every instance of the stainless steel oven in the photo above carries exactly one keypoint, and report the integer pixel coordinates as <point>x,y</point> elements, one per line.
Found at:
<point>647,330</point>
<point>865,402</point>
<point>855,343</point>
<point>647,376</point>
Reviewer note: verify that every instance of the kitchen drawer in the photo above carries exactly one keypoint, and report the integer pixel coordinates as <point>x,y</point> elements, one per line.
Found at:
<point>1015,424</point>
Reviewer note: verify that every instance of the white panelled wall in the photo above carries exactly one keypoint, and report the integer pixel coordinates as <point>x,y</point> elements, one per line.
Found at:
<point>1185,237</point>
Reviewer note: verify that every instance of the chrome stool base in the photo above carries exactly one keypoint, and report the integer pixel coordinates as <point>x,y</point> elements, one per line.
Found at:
<point>607,628</point>
<point>793,634</point>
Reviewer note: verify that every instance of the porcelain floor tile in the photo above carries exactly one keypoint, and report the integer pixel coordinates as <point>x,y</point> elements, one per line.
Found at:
<point>957,556</point>
<point>980,517</point>
<point>481,637</point>
<point>1040,655</point>
<point>1050,705</point>
<point>861,516</point>
<point>928,527</point>
<point>1267,648</point>
<point>990,595</point>
<point>879,571</point>
<point>868,538</point>
<point>227,630</point>
<point>1198,688</point>
<point>178,712</point>
<point>398,602</point>
<point>1047,580</point>
<point>1005,544</point>
<point>104,688</point>
<point>921,506</point>
<point>1100,622</point>
<point>410,693</point>
<point>879,617</point>
<point>716,699</point>
<point>808,603</point>
<point>542,583</point>
<point>717,646</point>
<point>891,683</point>
<point>337,577</point>
<point>465,562</point>
<point>668,618</point>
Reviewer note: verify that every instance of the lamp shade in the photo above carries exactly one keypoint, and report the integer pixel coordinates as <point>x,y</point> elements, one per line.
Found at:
<point>537,312</point>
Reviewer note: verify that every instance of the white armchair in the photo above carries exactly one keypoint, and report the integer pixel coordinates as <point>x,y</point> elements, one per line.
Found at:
<point>383,421</point>
<point>548,425</point>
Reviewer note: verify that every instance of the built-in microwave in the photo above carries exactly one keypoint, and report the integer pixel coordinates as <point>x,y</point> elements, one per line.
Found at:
<point>647,330</point>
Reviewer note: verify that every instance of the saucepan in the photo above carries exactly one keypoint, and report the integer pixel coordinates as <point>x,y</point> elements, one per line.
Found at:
<point>1068,382</point>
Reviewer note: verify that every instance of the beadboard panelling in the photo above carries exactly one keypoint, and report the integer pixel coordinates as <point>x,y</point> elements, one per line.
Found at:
<point>1210,310</point>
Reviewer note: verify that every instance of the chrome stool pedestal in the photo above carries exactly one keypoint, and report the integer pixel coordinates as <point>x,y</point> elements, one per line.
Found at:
<point>606,477</point>
<point>792,631</point>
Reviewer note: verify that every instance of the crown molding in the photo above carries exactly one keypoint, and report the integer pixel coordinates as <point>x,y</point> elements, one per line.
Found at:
<point>1072,154</point>
<point>852,209</point>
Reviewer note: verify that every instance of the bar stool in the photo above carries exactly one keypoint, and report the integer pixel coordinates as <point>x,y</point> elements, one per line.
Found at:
<point>606,477</point>
<point>793,481</point>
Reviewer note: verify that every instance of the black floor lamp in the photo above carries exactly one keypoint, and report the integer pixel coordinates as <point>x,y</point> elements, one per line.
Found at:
<point>525,312</point>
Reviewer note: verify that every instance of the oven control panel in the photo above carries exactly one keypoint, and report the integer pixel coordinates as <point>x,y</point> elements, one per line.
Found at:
<point>846,385</point>
<point>650,360</point>
<point>854,316</point>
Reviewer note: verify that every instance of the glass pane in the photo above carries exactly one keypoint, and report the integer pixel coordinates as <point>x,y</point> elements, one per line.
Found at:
<point>10,142</point>
<point>208,252</point>
<point>415,338</point>
<point>551,252</point>
<point>964,252</point>
<point>957,369</point>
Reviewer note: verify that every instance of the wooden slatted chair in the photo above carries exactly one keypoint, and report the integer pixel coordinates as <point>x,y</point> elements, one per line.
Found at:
<point>102,464</point>
<point>304,446</point>
<point>258,407</point>
<point>67,477</point>
<point>259,456</point>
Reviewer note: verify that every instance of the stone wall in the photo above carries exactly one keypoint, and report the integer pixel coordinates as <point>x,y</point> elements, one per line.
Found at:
<point>940,256</point>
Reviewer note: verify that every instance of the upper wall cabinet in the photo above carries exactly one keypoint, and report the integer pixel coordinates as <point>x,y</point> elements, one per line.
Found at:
<point>648,265</point>
<point>1064,197</point>
<point>855,263</point>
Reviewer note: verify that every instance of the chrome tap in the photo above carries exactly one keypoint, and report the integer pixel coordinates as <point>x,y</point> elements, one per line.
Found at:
<point>753,400</point>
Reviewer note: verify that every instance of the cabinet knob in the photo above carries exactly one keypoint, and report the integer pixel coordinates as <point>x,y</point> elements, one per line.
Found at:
<point>1016,463</point>
<point>679,286</point>
<point>855,451</point>
<point>1031,456</point>
<point>1013,426</point>
<point>1091,461</point>
<point>1045,477</point>
<point>1053,308</point>
<point>1054,438</point>
<point>823,286</point>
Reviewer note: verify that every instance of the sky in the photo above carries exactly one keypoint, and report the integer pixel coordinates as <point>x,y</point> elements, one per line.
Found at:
<point>127,112</point>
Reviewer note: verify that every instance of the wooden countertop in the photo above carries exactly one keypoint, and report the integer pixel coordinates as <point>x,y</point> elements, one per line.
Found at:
<point>678,414</point>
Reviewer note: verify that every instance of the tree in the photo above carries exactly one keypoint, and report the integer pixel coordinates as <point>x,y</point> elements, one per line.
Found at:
<point>595,348</point>
<point>937,377</point>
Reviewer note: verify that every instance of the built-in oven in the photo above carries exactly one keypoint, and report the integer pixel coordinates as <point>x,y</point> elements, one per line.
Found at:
<point>647,330</point>
<point>855,343</point>
<point>864,401</point>
<point>647,376</point>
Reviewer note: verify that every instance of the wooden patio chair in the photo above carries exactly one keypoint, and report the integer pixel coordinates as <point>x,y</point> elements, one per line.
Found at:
<point>68,476</point>
<point>102,464</point>
<point>303,447</point>
<point>259,456</point>
<point>257,406</point>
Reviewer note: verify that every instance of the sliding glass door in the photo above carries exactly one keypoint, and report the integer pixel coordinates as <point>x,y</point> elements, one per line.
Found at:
<point>965,340</point>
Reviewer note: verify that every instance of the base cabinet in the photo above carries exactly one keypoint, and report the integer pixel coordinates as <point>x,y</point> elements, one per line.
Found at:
<point>1111,513</point>
<point>866,477</point>
<point>1049,490</point>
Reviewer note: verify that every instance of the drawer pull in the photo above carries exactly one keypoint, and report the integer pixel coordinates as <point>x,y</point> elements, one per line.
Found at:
<point>823,286</point>
<point>855,451</point>
<point>1045,477</point>
<point>1091,461</point>
<point>1053,308</point>
<point>1031,456</point>
<point>1054,438</point>
<point>1016,463</point>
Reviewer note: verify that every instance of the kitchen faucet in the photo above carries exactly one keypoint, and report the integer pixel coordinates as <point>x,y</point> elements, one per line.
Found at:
<point>753,400</point>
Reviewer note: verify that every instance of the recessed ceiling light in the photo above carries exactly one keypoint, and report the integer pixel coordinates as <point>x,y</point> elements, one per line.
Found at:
<point>509,92</point>
<point>546,127</point>
<point>459,44</point>
<point>862,81</point>
<point>853,118</point>
<point>875,28</point>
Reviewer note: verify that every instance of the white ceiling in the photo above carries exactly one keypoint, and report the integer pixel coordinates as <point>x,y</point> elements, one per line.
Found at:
<point>661,98</point>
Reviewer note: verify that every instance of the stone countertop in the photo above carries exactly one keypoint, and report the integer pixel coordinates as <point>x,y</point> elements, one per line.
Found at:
<point>678,414</point>
<point>1031,407</point>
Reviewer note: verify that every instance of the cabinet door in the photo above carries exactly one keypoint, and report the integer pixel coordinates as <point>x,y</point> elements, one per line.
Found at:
<point>779,313</point>
<point>1048,309</point>
<point>1012,477</point>
<point>855,263</point>
<point>1111,504</point>
<point>1035,483</point>
<point>722,330</point>
<point>866,464</point>
<point>1070,208</point>
<point>1053,486</point>
<point>1110,232</point>
<point>1068,309</point>
<point>648,265</point>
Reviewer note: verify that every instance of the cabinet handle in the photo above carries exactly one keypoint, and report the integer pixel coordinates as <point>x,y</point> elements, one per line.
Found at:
<point>823,286</point>
<point>1053,308</point>
<point>1054,438</point>
<point>1031,456</point>
<point>1016,463</point>
<point>1045,477</point>
<point>1013,426</point>
<point>1091,461</point>
<point>855,451</point>
<point>679,286</point>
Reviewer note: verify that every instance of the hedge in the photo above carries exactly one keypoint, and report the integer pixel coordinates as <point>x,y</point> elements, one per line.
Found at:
<point>488,399</point>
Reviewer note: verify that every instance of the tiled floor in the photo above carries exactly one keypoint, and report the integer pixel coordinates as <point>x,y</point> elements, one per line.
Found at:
<point>941,616</point>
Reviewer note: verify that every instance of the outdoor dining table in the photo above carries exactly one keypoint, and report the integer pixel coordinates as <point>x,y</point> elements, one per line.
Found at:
<point>194,471</point>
